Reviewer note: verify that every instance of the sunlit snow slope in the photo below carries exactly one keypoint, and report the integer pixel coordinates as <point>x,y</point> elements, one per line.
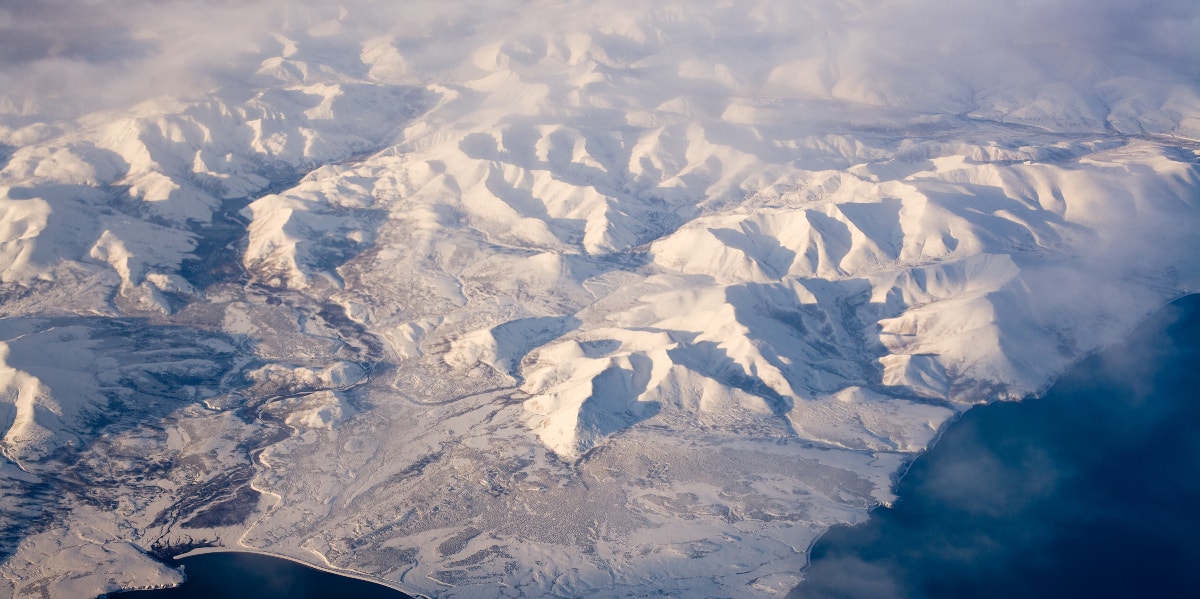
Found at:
<point>552,298</point>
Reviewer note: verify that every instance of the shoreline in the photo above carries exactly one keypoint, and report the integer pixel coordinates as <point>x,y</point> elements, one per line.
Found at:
<point>901,474</point>
<point>1041,393</point>
<point>1165,316</point>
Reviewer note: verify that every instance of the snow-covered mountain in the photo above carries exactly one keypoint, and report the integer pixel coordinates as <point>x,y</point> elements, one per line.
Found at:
<point>552,298</point>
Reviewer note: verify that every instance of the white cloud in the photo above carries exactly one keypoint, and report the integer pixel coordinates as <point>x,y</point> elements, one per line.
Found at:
<point>60,58</point>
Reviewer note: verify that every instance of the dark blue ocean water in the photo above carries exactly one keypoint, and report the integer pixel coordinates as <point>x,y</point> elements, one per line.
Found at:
<point>234,575</point>
<point>1090,491</point>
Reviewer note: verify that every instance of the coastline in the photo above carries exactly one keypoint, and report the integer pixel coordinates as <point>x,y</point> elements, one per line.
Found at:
<point>1156,324</point>
<point>1154,316</point>
<point>323,568</point>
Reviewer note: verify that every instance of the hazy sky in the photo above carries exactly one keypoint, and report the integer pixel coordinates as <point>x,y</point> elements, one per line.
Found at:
<point>64,57</point>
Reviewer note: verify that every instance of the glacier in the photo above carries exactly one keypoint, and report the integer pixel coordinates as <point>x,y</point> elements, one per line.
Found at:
<point>552,298</point>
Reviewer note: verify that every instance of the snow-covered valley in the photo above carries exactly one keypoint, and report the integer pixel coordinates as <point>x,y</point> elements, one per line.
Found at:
<point>556,298</point>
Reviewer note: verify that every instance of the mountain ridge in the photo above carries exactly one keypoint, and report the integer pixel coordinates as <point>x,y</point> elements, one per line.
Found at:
<point>612,294</point>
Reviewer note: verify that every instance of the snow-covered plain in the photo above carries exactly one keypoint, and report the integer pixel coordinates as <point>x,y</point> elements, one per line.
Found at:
<point>552,298</point>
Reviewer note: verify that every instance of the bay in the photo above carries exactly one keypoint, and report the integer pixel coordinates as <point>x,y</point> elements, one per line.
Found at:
<point>240,574</point>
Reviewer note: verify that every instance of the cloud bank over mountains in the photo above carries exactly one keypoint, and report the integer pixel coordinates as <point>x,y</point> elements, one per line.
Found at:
<point>66,57</point>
